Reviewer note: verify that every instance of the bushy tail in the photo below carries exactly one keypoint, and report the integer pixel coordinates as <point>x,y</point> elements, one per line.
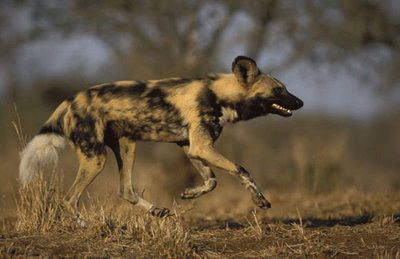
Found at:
<point>40,154</point>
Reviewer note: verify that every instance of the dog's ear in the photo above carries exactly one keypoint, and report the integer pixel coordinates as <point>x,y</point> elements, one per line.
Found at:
<point>246,71</point>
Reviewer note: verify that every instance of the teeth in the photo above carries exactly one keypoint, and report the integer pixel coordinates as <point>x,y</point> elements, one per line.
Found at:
<point>280,108</point>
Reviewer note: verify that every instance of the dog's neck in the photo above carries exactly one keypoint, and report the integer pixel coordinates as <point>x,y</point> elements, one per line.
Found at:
<point>228,88</point>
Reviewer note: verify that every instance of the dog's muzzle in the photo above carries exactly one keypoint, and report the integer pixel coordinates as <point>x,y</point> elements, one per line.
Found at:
<point>286,105</point>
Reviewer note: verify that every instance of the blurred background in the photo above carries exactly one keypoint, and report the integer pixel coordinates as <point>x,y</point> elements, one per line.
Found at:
<point>340,57</point>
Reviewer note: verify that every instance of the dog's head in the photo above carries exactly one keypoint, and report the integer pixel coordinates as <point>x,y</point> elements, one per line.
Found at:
<point>264,93</point>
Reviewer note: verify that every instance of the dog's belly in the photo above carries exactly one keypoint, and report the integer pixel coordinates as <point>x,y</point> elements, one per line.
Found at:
<point>163,132</point>
<point>158,131</point>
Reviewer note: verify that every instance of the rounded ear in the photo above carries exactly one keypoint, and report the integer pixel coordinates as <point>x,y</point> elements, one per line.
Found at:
<point>246,71</point>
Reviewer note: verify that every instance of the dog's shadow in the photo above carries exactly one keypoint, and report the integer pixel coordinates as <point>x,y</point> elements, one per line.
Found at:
<point>315,222</point>
<point>306,222</point>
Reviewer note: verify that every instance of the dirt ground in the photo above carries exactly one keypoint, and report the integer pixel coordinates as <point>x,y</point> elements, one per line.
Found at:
<point>346,224</point>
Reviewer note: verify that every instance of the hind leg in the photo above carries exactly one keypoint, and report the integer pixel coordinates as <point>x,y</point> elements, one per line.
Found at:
<point>89,168</point>
<point>125,155</point>
<point>210,182</point>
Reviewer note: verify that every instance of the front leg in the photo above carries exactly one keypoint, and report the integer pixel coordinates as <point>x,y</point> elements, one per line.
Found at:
<point>210,182</point>
<point>248,181</point>
<point>201,149</point>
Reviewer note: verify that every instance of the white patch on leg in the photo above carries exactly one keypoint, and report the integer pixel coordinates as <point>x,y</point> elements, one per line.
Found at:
<point>228,115</point>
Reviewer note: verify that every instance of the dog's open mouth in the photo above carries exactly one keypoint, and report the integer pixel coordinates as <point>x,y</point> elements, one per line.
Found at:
<point>281,111</point>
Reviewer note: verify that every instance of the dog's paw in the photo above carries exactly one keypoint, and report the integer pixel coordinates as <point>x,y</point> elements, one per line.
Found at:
<point>189,194</point>
<point>160,212</point>
<point>81,223</point>
<point>261,201</point>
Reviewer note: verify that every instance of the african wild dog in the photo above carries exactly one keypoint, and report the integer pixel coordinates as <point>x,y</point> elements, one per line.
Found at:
<point>188,112</point>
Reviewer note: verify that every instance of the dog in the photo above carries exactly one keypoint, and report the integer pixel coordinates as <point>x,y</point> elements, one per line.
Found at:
<point>188,112</point>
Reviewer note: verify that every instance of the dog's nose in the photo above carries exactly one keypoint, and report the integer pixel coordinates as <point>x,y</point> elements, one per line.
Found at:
<point>299,103</point>
<point>296,103</point>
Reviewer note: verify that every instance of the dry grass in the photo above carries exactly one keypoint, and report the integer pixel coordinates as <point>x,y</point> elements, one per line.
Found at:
<point>339,224</point>
<point>345,232</point>
<point>112,232</point>
<point>39,206</point>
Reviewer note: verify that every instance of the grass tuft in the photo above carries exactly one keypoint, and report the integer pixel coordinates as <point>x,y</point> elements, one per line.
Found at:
<point>39,205</point>
<point>40,213</point>
<point>22,138</point>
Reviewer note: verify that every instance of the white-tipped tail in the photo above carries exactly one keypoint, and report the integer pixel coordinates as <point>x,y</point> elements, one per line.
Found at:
<point>39,155</point>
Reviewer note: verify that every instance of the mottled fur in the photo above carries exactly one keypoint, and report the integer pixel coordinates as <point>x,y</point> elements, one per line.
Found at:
<point>188,112</point>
